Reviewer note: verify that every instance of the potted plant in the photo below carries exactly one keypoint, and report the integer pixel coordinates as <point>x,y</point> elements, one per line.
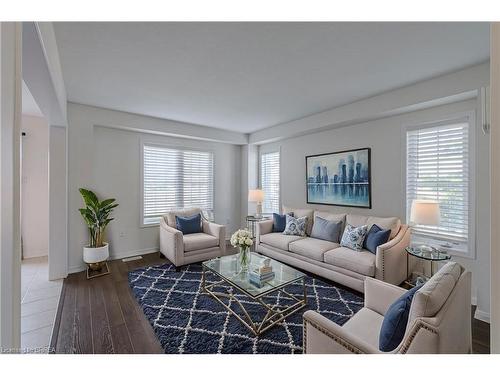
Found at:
<point>96,215</point>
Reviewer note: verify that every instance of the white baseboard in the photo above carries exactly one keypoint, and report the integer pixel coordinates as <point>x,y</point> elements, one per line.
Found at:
<point>81,267</point>
<point>76,269</point>
<point>36,254</point>
<point>133,253</point>
<point>482,315</point>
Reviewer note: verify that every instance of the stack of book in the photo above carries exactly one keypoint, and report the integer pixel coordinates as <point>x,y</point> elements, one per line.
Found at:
<point>259,275</point>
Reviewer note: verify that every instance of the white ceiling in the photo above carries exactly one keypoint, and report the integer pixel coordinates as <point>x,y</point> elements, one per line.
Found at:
<point>30,106</point>
<point>249,76</point>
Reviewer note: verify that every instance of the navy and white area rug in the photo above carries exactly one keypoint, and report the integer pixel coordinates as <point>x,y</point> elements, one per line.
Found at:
<point>186,320</point>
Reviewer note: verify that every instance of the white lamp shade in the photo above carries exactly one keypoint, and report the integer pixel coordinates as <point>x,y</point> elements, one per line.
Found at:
<point>425,212</point>
<point>256,195</point>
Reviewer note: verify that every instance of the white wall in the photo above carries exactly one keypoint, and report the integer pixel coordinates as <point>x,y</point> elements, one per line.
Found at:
<point>386,139</point>
<point>58,202</point>
<point>495,188</point>
<point>107,160</point>
<point>10,157</point>
<point>35,187</point>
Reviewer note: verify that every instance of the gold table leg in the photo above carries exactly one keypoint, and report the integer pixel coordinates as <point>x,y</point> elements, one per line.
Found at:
<point>274,315</point>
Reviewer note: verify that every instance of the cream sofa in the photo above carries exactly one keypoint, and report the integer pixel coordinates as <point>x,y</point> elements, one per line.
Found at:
<point>439,319</point>
<point>332,261</point>
<point>190,248</point>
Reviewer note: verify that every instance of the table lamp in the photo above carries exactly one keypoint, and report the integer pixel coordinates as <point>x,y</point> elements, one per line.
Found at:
<point>424,212</point>
<point>257,196</point>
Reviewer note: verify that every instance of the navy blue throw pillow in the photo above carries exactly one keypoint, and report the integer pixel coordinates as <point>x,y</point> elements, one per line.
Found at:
<point>279,222</point>
<point>376,236</point>
<point>395,321</point>
<point>190,224</point>
<point>326,230</point>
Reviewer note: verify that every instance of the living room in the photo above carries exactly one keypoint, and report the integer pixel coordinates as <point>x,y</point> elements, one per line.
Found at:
<point>255,187</point>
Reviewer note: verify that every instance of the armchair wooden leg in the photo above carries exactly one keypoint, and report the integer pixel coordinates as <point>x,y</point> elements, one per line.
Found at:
<point>177,268</point>
<point>161,255</point>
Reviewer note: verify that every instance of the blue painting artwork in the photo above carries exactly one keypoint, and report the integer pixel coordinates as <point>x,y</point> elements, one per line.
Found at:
<point>339,178</point>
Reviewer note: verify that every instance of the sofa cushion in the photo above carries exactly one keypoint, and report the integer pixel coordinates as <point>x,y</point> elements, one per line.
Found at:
<point>182,212</point>
<point>362,262</point>
<point>312,247</point>
<point>300,212</point>
<point>189,224</point>
<point>295,226</point>
<point>434,293</point>
<point>375,237</point>
<point>278,240</point>
<point>327,230</point>
<point>279,222</point>
<point>329,216</point>
<point>395,321</point>
<point>354,237</point>
<point>198,241</point>
<point>392,223</point>
<point>365,325</point>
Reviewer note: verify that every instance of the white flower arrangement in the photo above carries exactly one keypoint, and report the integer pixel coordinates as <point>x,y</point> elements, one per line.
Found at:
<point>241,238</point>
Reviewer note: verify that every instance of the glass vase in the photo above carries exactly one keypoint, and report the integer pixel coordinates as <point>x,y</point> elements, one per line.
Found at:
<point>244,258</point>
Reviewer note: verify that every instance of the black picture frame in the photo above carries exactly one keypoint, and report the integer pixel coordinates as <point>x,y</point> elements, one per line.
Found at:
<point>362,185</point>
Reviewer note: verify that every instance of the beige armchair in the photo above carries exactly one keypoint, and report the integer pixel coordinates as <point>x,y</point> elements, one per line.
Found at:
<point>439,320</point>
<point>190,248</point>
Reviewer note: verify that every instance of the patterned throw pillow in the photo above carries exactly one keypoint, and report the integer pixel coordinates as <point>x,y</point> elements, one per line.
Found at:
<point>295,226</point>
<point>353,237</point>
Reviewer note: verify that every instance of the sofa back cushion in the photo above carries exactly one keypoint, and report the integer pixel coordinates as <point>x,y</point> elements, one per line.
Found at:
<point>327,230</point>
<point>392,223</point>
<point>434,293</point>
<point>330,216</point>
<point>301,212</point>
<point>170,216</point>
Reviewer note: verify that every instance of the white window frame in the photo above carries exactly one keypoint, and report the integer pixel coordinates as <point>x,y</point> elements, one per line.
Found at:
<point>465,250</point>
<point>141,176</point>
<point>260,154</point>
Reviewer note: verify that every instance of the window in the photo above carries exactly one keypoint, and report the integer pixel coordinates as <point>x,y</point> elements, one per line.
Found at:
<point>270,181</point>
<point>175,178</point>
<point>437,168</point>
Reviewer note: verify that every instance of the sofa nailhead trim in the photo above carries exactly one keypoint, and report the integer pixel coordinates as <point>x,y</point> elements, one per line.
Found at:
<point>335,338</point>
<point>413,334</point>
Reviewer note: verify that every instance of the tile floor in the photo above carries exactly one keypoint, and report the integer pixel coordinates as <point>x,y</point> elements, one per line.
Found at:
<point>39,300</point>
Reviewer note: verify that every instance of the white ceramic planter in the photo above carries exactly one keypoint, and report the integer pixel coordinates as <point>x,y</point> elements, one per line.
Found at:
<point>95,254</point>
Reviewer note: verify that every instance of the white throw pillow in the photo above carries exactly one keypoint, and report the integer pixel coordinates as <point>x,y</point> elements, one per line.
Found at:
<point>295,226</point>
<point>353,237</point>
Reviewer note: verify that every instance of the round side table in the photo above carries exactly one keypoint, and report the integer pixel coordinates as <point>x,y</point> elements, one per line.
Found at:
<point>430,256</point>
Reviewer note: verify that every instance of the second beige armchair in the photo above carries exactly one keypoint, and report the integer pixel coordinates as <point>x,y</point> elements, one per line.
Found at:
<point>439,319</point>
<point>190,248</point>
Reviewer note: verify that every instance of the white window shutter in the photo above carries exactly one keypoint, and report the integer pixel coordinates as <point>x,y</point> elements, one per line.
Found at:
<point>270,181</point>
<point>175,178</point>
<point>438,169</point>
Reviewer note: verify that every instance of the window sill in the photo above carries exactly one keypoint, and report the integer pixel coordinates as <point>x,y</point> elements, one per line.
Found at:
<point>456,250</point>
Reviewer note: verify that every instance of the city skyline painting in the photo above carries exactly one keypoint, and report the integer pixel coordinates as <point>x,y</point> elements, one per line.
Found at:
<point>339,178</point>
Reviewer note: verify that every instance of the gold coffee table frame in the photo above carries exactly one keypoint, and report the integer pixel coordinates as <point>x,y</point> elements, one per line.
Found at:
<point>275,313</point>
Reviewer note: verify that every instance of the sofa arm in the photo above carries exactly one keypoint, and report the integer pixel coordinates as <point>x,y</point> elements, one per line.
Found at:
<point>380,295</point>
<point>390,261</point>
<point>218,231</point>
<point>263,227</point>
<point>171,243</point>
<point>322,336</point>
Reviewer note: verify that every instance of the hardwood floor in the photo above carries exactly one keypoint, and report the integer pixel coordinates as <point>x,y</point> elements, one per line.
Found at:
<point>102,316</point>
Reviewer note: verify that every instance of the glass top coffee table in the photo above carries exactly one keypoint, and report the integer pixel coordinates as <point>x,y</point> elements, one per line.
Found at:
<point>229,276</point>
